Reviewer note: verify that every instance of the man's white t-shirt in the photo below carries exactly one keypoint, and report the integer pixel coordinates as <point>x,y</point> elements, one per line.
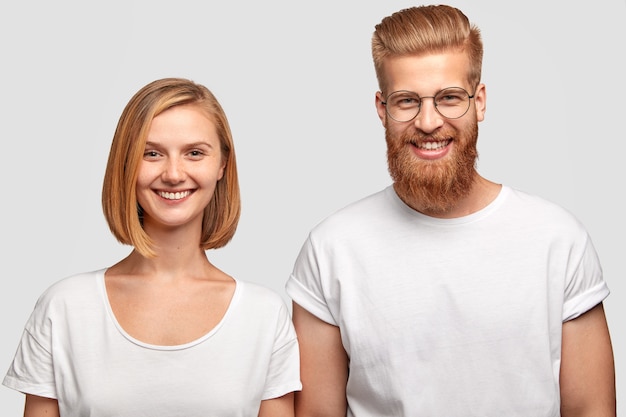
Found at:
<point>450,317</point>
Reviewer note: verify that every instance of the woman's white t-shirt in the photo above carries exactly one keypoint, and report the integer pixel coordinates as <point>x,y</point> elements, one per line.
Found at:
<point>74,350</point>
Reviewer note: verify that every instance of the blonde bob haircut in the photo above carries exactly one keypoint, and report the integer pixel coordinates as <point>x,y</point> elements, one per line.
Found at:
<point>119,198</point>
<point>423,30</point>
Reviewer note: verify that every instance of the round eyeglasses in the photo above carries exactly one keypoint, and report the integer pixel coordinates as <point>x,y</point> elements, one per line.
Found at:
<point>451,103</point>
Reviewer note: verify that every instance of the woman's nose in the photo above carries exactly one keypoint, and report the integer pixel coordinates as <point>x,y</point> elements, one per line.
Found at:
<point>174,171</point>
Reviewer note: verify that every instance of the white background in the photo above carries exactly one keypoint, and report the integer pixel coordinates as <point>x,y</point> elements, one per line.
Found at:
<point>297,83</point>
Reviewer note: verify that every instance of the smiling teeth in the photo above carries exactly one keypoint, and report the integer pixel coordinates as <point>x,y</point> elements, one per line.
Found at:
<point>433,145</point>
<point>174,196</point>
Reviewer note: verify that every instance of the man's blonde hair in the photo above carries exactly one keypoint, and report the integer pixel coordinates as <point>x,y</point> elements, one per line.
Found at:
<point>424,30</point>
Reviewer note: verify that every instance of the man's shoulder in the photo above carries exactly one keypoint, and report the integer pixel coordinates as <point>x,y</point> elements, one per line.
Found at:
<point>531,202</point>
<point>353,219</point>
<point>541,212</point>
<point>364,207</point>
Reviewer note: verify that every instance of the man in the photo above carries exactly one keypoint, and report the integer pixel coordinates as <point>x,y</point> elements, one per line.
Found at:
<point>447,294</point>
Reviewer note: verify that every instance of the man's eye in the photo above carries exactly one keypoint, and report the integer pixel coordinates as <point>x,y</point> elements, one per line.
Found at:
<point>404,102</point>
<point>450,98</point>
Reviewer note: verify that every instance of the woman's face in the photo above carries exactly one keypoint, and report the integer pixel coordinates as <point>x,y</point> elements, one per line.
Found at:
<point>182,163</point>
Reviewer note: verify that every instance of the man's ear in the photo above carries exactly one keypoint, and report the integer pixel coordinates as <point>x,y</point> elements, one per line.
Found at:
<point>480,100</point>
<point>380,108</point>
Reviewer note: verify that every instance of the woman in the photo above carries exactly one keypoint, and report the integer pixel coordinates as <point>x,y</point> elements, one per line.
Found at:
<point>163,332</point>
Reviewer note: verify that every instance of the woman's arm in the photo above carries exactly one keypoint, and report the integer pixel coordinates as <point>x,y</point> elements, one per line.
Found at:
<point>278,407</point>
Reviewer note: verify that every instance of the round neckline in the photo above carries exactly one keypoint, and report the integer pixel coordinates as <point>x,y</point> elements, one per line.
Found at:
<point>127,336</point>
<point>455,221</point>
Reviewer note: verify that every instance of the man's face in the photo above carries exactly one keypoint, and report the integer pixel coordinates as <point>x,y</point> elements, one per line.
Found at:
<point>431,158</point>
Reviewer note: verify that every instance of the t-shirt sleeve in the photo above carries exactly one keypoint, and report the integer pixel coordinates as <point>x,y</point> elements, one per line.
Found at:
<point>283,374</point>
<point>31,370</point>
<point>585,287</point>
<point>304,285</point>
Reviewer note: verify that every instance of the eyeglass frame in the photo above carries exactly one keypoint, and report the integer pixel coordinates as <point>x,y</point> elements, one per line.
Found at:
<point>419,108</point>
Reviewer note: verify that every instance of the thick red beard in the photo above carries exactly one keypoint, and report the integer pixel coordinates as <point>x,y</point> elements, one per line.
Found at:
<point>433,187</point>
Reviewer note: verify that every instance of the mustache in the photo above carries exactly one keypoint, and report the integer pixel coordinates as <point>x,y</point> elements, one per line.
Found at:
<point>417,137</point>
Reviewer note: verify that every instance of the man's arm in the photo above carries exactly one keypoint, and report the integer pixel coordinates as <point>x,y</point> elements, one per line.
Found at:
<point>587,367</point>
<point>323,367</point>
<point>36,406</point>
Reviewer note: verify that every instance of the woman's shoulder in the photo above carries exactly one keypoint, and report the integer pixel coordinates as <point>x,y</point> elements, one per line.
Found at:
<point>258,291</point>
<point>261,310</point>
<point>72,297</point>
<point>73,288</point>
<point>260,296</point>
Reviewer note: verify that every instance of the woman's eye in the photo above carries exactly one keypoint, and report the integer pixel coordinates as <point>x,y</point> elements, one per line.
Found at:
<point>196,153</point>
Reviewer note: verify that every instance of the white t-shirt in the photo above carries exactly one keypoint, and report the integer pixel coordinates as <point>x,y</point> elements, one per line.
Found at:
<point>74,350</point>
<point>450,317</point>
